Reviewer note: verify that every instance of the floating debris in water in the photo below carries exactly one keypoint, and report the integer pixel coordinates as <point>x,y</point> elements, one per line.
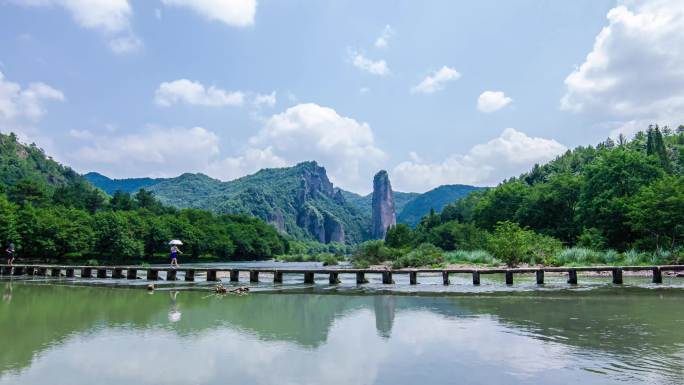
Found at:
<point>150,287</point>
<point>220,289</point>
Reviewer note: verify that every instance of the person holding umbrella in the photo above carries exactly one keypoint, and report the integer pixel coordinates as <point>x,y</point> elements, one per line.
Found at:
<point>10,254</point>
<point>174,252</point>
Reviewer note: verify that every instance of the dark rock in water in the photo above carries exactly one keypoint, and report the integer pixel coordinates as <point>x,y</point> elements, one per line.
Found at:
<point>383,215</point>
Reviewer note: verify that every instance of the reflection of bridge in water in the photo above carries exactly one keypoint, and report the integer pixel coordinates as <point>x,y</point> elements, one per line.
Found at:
<point>233,274</point>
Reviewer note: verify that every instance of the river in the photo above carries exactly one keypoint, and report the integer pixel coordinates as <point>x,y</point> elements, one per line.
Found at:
<point>598,334</point>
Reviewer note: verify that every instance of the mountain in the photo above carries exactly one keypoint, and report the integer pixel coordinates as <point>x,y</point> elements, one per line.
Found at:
<point>19,162</point>
<point>300,200</point>
<point>129,185</point>
<point>436,199</point>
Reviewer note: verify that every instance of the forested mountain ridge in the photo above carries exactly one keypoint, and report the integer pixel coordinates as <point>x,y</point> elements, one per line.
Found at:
<point>619,194</point>
<point>129,185</point>
<point>435,199</point>
<point>19,161</point>
<point>48,211</point>
<point>298,200</point>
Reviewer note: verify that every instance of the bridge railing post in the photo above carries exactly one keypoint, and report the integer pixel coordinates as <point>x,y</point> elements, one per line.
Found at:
<point>617,276</point>
<point>190,275</point>
<point>387,278</point>
<point>235,276</point>
<point>657,275</point>
<point>509,277</point>
<point>309,277</point>
<point>572,277</point>
<point>413,278</point>
<point>476,278</point>
<point>211,275</point>
<point>540,276</point>
<point>253,276</point>
<point>131,273</point>
<point>361,278</point>
<point>277,277</point>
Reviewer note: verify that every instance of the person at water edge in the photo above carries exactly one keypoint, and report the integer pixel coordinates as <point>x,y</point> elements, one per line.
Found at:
<point>10,254</point>
<point>174,256</point>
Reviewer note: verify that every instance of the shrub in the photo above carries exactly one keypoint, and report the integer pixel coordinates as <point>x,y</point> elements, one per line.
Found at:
<point>513,244</point>
<point>475,256</point>
<point>423,255</point>
<point>328,259</point>
<point>592,238</point>
<point>92,262</point>
<point>374,252</point>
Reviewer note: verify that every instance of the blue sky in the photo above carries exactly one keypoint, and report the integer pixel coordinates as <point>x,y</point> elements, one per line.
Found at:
<point>433,91</point>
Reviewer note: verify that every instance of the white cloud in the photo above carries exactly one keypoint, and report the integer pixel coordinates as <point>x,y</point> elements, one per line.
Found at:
<point>378,67</point>
<point>112,17</point>
<point>125,44</point>
<point>383,40</point>
<point>158,13</point>
<point>436,81</point>
<point>634,70</point>
<point>490,101</point>
<point>237,13</point>
<point>301,133</point>
<point>189,92</point>
<point>265,100</point>
<point>154,151</point>
<point>17,103</point>
<point>512,153</point>
<point>311,132</point>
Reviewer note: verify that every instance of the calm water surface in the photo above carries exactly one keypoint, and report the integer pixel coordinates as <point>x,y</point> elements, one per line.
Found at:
<point>64,334</point>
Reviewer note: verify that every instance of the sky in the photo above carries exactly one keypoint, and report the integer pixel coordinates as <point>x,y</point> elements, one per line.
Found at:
<point>435,92</point>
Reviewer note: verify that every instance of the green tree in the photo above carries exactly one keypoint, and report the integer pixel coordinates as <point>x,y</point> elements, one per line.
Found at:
<point>399,236</point>
<point>607,185</point>
<point>658,210</point>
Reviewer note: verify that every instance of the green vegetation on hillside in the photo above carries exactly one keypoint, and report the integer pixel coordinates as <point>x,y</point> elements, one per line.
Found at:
<point>434,199</point>
<point>605,203</point>
<point>129,185</point>
<point>50,212</point>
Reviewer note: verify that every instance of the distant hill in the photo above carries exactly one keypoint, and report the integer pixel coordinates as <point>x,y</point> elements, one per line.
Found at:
<point>363,202</point>
<point>436,199</point>
<point>19,161</point>
<point>300,200</point>
<point>130,185</point>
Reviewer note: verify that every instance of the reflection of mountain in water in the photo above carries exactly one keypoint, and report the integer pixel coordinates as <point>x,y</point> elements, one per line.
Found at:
<point>41,316</point>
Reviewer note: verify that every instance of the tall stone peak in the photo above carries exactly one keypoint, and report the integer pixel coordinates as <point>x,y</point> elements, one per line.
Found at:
<point>383,213</point>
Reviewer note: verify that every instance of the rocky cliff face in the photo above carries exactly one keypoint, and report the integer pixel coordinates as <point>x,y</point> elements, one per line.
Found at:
<point>383,212</point>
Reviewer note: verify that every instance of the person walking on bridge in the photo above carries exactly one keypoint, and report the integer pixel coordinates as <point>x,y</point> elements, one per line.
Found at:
<point>10,254</point>
<point>174,252</point>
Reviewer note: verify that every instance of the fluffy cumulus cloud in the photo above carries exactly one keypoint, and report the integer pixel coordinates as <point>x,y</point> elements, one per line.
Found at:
<point>195,93</point>
<point>237,13</point>
<point>112,17</point>
<point>436,81</point>
<point>19,103</point>
<point>154,151</point>
<point>490,101</point>
<point>383,40</point>
<point>375,67</point>
<point>304,132</point>
<point>308,131</point>
<point>635,69</point>
<point>485,164</point>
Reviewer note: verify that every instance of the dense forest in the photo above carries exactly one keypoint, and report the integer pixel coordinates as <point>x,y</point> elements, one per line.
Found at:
<point>618,199</point>
<point>50,212</point>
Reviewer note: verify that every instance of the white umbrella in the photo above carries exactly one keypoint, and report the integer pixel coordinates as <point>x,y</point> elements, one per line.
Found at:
<point>176,242</point>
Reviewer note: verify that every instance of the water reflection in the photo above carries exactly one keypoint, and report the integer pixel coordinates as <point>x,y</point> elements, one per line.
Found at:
<point>126,336</point>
